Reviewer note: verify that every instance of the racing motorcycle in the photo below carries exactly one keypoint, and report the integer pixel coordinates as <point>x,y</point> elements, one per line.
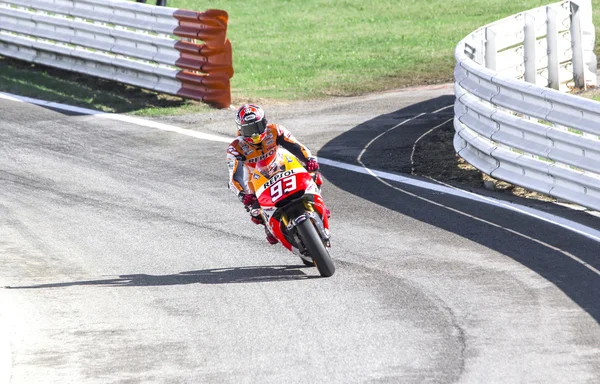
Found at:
<point>292,208</point>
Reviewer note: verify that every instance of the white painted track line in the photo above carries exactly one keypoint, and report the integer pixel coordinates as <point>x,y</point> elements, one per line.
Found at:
<point>540,215</point>
<point>5,350</point>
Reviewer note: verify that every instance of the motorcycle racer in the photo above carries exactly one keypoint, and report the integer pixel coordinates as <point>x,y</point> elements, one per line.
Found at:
<point>258,141</point>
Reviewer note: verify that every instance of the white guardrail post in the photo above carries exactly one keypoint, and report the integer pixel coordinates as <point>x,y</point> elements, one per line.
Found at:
<point>513,118</point>
<point>529,48</point>
<point>577,45</point>
<point>128,42</point>
<point>552,44</point>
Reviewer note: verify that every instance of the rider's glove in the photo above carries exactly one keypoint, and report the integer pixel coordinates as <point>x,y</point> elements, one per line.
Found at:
<point>312,165</point>
<point>248,198</point>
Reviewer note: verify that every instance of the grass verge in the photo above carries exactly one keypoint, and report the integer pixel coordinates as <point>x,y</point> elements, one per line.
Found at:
<point>71,88</point>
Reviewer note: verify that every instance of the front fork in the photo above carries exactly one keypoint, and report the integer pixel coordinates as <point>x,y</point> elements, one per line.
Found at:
<point>309,213</point>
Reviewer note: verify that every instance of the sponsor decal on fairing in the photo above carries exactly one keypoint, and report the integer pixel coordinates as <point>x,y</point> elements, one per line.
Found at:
<point>278,176</point>
<point>262,157</point>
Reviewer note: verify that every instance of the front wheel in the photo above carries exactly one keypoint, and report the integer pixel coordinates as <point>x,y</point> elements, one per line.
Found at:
<point>312,242</point>
<point>310,263</point>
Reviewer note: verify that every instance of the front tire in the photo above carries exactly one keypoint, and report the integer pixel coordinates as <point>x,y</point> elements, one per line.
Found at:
<point>308,263</point>
<point>315,247</point>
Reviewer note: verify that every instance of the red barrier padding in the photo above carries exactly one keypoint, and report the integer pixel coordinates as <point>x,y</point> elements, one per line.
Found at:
<point>205,58</point>
<point>210,17</point>
<point>207,67</point>
<point>220,98</point>
<point>185,15</point>
<point>193,80</point>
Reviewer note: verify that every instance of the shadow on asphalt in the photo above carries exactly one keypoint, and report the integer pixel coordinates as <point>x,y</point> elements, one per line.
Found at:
<point>255,274</point>
<point>544,248</point>
<point>77,89</point>
<point>393,150</point>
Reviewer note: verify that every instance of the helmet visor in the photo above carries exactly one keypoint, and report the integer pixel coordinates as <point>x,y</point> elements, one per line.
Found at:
<point>253,129</point>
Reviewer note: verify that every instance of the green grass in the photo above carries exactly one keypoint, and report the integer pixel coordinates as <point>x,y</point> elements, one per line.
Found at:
<point>55,85</point>
<point>52,84</point>
<point>290,50</point>
<point>306,49</point>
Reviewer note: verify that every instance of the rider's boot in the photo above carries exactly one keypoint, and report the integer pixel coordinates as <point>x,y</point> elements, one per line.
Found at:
<point>256,218</point>
<point>270,238</point>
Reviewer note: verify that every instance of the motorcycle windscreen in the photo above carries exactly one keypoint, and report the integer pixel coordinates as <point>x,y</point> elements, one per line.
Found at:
<point>271,165</point>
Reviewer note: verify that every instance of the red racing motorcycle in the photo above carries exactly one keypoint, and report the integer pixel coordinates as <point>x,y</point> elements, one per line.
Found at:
<point>293,209</point>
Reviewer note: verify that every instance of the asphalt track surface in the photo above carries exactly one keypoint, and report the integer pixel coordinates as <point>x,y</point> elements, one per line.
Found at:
<point>124,259</point>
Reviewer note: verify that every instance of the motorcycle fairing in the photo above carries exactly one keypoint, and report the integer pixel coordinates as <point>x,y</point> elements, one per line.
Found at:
<point>283,180</point>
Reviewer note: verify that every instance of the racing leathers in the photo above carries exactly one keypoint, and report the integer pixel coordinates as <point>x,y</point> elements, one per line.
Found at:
<point>242,157</point>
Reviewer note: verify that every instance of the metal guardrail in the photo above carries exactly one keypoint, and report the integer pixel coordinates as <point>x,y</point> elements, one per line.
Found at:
<point>132,43</point>
<point>508,125</point>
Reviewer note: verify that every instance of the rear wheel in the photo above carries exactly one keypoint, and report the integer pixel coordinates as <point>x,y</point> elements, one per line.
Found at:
<point>315,247</point>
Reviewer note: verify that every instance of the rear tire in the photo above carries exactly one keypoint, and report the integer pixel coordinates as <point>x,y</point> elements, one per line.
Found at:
<point>315,247</point>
